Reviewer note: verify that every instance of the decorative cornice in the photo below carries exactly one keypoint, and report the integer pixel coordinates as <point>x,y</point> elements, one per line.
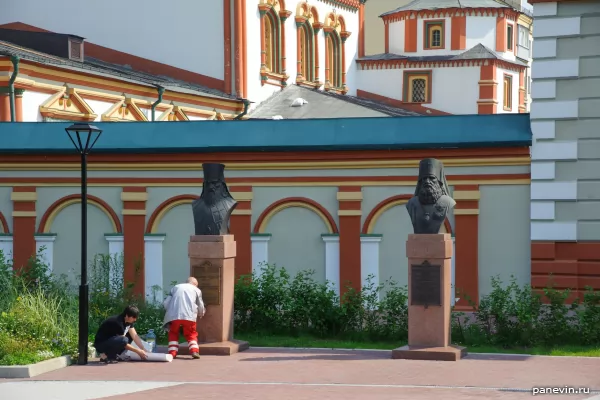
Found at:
<point>401,64</point>
<point>351,5</point>
<point>511,14</point>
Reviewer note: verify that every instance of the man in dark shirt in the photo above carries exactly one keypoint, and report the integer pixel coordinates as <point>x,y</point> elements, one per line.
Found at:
<point>116,334</point>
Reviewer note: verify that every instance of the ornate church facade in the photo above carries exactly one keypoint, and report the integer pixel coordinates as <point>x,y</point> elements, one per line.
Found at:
<point>445,57</point>
<point>228,50</point>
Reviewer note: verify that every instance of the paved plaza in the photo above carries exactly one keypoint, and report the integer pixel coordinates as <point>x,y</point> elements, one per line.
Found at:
<point>274,374</point>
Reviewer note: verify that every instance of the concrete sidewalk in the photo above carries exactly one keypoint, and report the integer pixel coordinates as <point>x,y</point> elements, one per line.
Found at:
<point>313,374</point>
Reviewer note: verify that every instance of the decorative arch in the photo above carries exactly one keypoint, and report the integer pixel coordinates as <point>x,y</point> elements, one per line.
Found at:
<point>64,202</point>
<point>3,224</point>
<point>335,53</point>
<point>387,204</point>
<point>308,27</point>
<point>272,40</point>
<point>165,207</point>
<point>302,202</point>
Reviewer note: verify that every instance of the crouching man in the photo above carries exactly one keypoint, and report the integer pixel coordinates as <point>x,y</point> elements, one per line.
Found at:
<point>116,334</point>
<point>183,306</point>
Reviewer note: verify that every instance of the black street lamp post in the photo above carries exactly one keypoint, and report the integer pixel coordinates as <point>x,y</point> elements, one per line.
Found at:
<point>83,137</point>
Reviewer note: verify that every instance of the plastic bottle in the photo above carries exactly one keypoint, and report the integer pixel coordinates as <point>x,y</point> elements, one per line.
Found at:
<point>151,339</point>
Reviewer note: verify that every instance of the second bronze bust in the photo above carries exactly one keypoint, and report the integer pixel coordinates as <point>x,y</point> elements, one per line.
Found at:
<point>213,208</point>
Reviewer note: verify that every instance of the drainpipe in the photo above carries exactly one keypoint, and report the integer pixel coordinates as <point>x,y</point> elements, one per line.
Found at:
<point>161,90</point>
<point>246,106</point>
<point>11,87</point>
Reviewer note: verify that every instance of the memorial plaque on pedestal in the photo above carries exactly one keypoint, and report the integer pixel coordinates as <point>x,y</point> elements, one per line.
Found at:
<point>209,282</point>
<point>425,287</point>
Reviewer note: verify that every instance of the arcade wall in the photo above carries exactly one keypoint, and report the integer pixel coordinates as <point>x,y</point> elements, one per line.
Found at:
<point>344,220</point>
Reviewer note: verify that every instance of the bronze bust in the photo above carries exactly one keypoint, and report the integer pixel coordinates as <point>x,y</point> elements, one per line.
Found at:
<point>432,201</point>
<point>213,208</point>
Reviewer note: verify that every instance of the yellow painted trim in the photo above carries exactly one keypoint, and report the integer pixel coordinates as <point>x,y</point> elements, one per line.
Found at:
<point>241,212</point>
<point>271,214</point>
<point>149,91</point>
<point>466,195</point>
<point>349,213</point>
<point>109,97</point>
<point>487,101</point>
<point>468,162</point>
<point>273,184</point>
<point>356,196</point>
<point>242,196</point>
<point>62,206</point>
<point>36,85</point>
<point>134,196</point>
<point>161,214</point>
<point>472,211</point>
<point>23,196</point>
<point>88,110</point>
<point>46,109</point>
<point>165,115</point>
<point>133,212</point>
<point>29,214</point>
<point>383,209</point>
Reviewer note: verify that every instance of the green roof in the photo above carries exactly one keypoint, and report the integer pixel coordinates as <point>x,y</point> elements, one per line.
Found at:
<point>424,132</point>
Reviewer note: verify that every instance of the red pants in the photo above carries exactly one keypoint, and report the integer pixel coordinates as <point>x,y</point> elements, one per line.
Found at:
<point>189,331</point>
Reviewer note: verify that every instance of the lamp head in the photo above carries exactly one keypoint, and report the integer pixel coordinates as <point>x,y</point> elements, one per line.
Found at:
<point>83,136</point>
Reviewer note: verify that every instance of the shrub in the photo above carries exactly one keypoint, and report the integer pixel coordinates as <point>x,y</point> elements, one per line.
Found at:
<point>39,317</point>
<point>588,315</point>
<point>109,296</point>
<point>273,303</point>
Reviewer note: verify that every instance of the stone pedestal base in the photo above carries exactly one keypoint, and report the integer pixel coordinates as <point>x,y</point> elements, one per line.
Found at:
<point>212,263</point>
<point>429,290</point>
<point>449,353</point>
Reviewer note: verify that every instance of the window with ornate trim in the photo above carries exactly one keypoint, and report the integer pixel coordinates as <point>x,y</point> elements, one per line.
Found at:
<point>270,44</point>
<point>335,53</point>
<point>334,44</point>
<point>307,53</point>
<point>510,35</point>
<point>308,27</point>
<point>434,35</point>
<point>417,87</point>
<point>508,83</point>
<point>272,41</point>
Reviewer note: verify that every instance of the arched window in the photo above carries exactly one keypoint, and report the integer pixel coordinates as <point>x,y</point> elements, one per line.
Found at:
<point>334,65</point>
<point>272,19</point>
<point>272,40</point>
<point>307,52</point>
<point>270,43</point>
<point>335,54</point>
<point>308,26</point>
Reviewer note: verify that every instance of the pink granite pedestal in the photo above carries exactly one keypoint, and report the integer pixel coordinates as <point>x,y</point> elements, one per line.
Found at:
<point>212,263</point>
<point>429,326</point>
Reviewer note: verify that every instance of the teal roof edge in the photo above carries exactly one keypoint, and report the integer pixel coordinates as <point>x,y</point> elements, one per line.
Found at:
<point>387,133</point>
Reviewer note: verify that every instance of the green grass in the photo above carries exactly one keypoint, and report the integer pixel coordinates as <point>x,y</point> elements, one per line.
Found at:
<point>259,340</point>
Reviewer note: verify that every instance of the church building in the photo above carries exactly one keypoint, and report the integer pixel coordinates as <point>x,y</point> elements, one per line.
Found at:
<point>451,57</point>
<point>242,49</point>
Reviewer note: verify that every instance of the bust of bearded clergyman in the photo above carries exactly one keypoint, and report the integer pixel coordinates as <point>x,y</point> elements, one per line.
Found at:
<point>432,202</point>
<point>213,208</point>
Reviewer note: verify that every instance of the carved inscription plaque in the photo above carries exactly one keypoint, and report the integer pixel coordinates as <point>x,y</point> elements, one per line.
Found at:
<point>209,282</point>
<point>425,287</point>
